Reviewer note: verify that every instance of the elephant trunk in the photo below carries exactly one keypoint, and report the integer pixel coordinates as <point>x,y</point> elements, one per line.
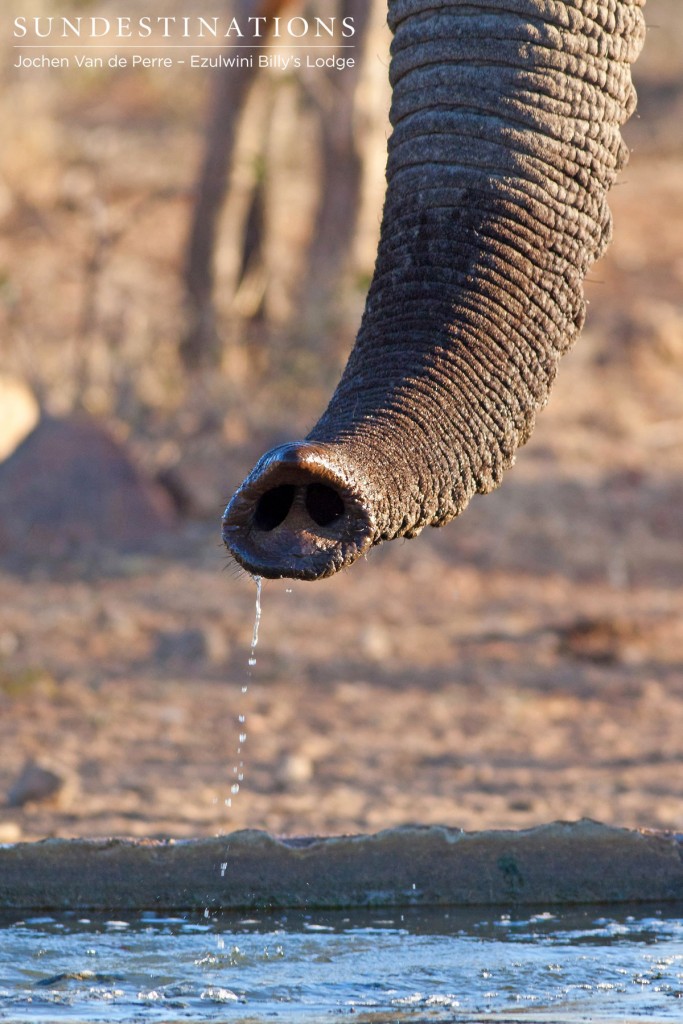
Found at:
<point>506,137</point>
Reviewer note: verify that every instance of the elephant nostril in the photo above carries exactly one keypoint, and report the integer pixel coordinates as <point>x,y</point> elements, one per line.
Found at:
<point>323,504</point>
<point>273,507</point>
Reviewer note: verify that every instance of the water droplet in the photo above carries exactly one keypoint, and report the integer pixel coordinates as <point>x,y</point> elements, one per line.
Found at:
<point>238,769</point>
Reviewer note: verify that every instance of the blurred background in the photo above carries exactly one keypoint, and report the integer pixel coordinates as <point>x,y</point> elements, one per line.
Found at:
<point>184,256</point>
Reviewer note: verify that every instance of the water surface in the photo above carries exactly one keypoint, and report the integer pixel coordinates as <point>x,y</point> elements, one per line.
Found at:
<point>597,964</point>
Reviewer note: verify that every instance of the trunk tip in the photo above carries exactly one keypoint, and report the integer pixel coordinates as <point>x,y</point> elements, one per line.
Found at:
<point>299,514</point>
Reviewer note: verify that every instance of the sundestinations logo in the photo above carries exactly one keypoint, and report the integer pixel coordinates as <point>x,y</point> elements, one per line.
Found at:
<point>97,28</point>
<point>165,41</point>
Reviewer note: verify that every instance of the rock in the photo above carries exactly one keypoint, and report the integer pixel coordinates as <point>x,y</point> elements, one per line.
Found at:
<point>208,644</point>
<point>20,413</point>
<point>197,490</point>
<point>36,782</point>
<point>293,770</point>
<point>602,640</point>
<point>10,832</point>
<point>70,487</point>
<point>376,643</point>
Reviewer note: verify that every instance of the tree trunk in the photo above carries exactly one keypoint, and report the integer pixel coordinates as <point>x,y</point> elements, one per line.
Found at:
<point>342,168</point>
<point>201,344</point>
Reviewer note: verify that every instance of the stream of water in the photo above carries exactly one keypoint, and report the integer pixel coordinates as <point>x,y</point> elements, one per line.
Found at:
<point>238,767</point>
<point>257,621</point>
<point>597,964</point>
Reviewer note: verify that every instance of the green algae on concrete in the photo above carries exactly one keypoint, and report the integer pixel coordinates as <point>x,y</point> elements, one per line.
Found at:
<point>563,862</point>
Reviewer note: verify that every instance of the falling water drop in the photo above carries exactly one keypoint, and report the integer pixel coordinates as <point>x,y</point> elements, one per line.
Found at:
<point>238,767</point>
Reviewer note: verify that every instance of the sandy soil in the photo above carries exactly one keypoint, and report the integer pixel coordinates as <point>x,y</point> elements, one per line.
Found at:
<point>522,665</point>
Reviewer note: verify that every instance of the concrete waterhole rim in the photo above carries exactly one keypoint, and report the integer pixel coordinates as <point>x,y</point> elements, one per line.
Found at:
<point>408,866</point>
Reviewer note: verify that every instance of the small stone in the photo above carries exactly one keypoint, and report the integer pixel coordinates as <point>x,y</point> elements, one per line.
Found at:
<point>602,640</point>
<point>20,413</point>
<point>376,643</point>
<point>180,646</point>
<point>294,770</point>
<point>10,832</point>
<point>207,644</point>
<point>36,782</point>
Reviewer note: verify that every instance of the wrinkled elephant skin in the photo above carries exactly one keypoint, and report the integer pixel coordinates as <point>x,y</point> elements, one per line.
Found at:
<point>506,138</point>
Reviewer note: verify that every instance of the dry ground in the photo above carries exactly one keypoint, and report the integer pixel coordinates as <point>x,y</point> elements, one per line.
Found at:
<point>521,665</point>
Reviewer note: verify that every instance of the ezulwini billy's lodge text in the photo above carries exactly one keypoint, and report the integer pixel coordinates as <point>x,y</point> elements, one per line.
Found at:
<point>280,62</point>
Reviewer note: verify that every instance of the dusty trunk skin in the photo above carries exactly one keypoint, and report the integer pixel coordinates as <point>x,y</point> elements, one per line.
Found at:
<point>506,138</point>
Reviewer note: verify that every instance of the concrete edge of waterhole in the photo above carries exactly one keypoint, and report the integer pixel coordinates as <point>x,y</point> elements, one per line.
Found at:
<point>412,865</point>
